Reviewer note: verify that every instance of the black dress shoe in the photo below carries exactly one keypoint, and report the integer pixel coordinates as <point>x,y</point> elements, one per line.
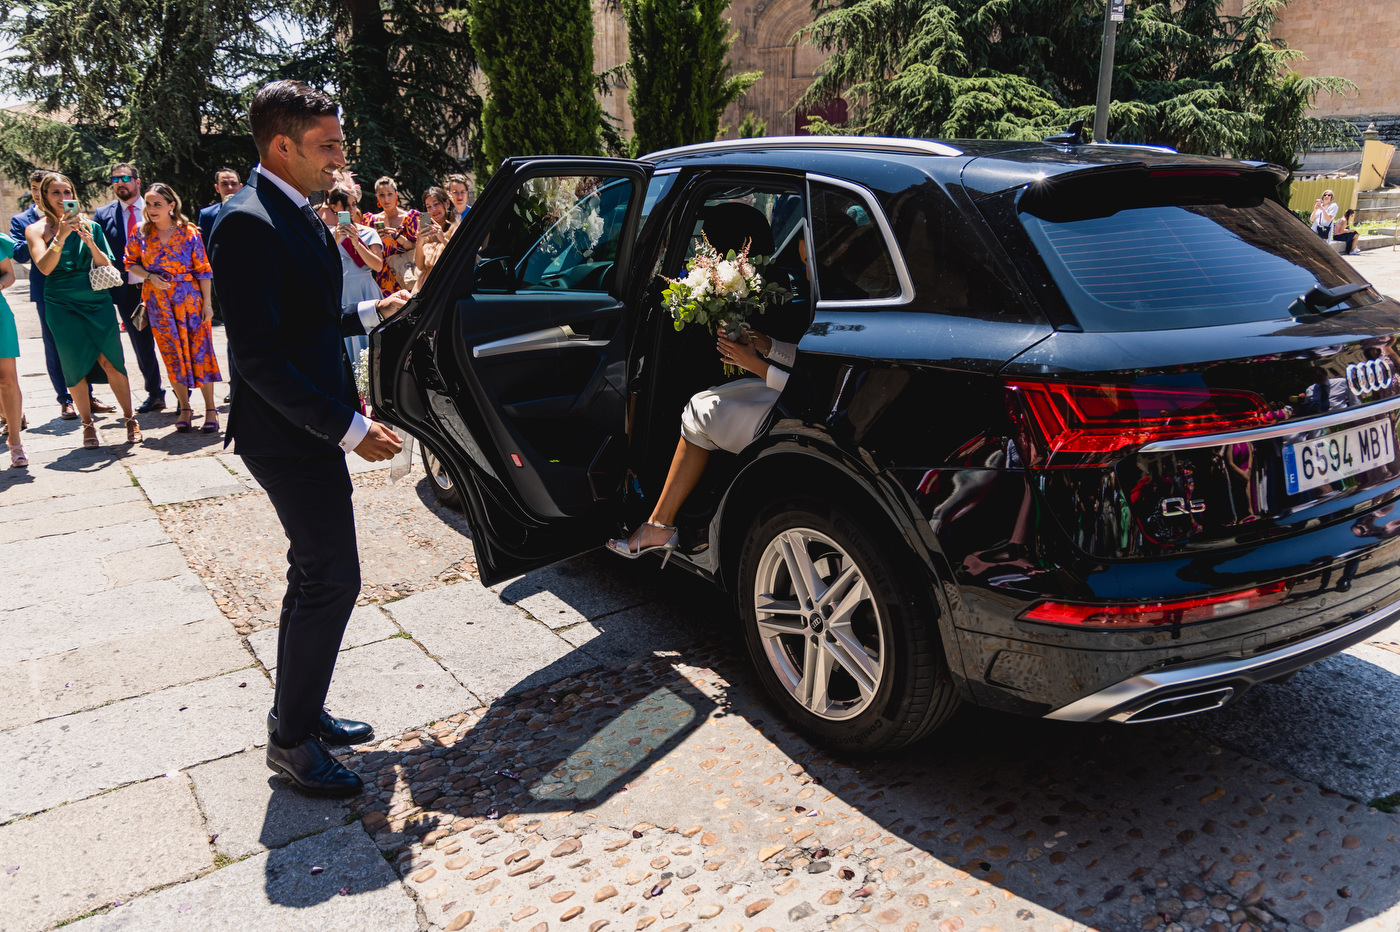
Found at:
<point>333,731</point>
<point>313,768</point>
<point>152,403</point>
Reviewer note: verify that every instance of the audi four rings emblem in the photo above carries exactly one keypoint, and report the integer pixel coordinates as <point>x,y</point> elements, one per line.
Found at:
<point>1363,378</point>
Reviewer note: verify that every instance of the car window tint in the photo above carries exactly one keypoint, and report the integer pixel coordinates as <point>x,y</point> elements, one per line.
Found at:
<point>853,260</point>
<point>560,233</point>
<point>1176,265</point>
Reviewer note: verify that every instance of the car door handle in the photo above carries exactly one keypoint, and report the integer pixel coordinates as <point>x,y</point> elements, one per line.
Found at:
<point>548,338</point>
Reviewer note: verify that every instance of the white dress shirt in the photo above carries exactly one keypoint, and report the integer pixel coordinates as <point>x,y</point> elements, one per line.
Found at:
<point>785,353</point>
<point>123,213</point>
<point>366,311</point>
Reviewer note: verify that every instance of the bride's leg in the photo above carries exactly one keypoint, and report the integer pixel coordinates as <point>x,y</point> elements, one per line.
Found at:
<point>687,466</point>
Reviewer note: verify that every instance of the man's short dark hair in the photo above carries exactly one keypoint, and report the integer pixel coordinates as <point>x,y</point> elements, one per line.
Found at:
<point>124,168</point>
<point>37,175</point>
<point>226,170</point>
<point>286,108</point>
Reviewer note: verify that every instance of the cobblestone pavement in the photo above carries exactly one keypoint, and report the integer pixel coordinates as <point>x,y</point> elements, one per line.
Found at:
<point>585,747</point>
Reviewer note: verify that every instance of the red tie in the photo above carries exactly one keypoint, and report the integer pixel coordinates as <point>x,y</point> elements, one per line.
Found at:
<point>131,222</point>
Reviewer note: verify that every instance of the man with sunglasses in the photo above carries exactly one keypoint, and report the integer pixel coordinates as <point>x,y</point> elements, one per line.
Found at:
<point>119,220</point>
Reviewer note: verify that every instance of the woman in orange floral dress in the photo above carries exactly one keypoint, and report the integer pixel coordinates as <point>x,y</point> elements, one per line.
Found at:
<point>168,253</point>
<point>398,228</point>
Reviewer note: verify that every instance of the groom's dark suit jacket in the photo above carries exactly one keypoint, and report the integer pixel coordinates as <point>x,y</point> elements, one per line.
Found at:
<point>279,286</point>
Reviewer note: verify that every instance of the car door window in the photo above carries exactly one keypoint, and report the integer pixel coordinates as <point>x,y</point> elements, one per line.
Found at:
<point>560,233</point>
<point>852,257</point>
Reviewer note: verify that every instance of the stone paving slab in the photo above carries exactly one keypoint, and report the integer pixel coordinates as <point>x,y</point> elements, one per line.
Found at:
<point>368,624</point>
<point>394,686</point>
<point>120,668</point>
<point>186,480</point>
<point>490,647</point>
<point>249,809</point>
<point>355,891</point>
<point>639,634</point>
<point>59,473</point>
<point>65,503</point>
<point>29,529</point>
<point>73,757</point>
<point>150,564</point>
<point>580,589</point>
<point>86,855</point>
<point>82,545</point>
<point>78,621</point>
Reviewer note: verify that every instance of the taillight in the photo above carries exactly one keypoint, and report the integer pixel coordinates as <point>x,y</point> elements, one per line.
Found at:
<point>1074,424</point>
<point>1157,614</point>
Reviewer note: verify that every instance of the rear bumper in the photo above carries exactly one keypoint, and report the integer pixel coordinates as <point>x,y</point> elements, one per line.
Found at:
<point>1184,690</point>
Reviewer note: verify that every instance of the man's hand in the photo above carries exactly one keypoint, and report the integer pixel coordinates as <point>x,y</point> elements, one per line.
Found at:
<point>388,307</point>
<point>379,444</point>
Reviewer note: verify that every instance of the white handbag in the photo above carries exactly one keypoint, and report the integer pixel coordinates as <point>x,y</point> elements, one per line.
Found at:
<point>104,277</point>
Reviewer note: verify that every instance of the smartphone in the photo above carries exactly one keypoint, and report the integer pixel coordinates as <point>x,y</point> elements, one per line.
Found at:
<point>379,226</point>
<point>70,207</point>
<point>342,216</point>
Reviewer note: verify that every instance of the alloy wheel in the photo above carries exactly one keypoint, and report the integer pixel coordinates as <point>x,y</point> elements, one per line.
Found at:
<point>818,624</point>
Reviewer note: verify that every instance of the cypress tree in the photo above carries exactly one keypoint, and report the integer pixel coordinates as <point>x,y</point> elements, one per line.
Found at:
<point>680,72</point>
<point>538,60</point>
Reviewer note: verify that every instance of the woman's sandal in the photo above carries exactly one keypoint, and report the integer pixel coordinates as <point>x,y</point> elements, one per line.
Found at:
<point>133,430</point>
<point>211,421</point>
<point>182,424</point>
<point>89,435</point>
<point>5,425</point>
<point>622,546</point>
<point>17,458</point>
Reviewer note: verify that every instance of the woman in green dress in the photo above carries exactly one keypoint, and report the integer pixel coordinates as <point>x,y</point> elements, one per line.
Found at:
<point>11,402</point>
<point>64,246</point>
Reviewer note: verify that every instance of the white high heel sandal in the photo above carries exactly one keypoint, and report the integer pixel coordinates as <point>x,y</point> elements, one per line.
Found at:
<point>621,546</point>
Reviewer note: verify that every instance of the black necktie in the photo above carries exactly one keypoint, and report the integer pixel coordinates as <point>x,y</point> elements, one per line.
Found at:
<point>316,224</point>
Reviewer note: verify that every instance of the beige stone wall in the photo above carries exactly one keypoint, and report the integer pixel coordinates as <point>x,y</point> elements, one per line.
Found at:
<point>1354,40</point>
<point>763,34</point>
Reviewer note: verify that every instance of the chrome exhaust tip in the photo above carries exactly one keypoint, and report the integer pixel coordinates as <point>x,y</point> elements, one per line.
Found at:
<point>1176,706</point>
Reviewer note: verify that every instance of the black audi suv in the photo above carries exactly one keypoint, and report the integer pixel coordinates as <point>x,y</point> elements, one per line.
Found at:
<point>1089,432</point>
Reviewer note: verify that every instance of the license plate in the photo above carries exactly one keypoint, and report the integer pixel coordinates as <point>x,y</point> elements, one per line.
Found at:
<point>1338,455</point>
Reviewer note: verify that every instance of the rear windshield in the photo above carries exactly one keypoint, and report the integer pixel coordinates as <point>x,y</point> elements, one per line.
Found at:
<point>1182,261</point>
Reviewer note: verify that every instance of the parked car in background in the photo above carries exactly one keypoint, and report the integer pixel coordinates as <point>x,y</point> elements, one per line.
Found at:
<point>1089,432</point>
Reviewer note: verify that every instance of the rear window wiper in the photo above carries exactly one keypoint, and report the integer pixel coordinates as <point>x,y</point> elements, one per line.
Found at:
<point>1318,300</point>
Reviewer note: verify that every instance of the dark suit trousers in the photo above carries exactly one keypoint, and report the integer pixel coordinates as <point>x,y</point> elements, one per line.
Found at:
<point>51,361</point>
<point>312,497</point>
<point>142,342</point>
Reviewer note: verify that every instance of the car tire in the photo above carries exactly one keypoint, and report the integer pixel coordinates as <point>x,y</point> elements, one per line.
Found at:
<point>444,489</point>
<point>897,689</point>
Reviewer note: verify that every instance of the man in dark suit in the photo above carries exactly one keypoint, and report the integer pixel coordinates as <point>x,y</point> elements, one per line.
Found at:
<point>36,294</point>
<point>117,219</point>
<point>295,413</point>
<point>226,185</point>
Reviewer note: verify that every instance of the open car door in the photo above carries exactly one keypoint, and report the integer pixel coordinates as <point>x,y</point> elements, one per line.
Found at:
<point>511,363</point>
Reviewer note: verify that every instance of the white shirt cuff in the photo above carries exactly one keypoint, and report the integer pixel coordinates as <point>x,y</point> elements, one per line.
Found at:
<point>359,427</point>
<point>776,378</point>
<point>369,317</point>
<point>783,353</point>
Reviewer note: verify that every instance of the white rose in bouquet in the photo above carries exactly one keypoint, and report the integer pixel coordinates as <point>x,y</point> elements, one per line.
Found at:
<point>732,279</point>
<point>697,281</point>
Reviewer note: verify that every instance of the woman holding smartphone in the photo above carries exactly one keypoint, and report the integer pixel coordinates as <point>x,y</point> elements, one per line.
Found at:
<point>168,253</point>
<point>399,230</point>
<point>64,245</point>
<point>434,233</point>
<point>361,253</point>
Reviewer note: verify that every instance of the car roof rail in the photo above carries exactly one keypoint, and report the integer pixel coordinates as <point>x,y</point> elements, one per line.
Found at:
<point>877,143</point>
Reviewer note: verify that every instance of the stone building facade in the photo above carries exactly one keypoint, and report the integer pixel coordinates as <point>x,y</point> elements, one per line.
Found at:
<point>764,31</point>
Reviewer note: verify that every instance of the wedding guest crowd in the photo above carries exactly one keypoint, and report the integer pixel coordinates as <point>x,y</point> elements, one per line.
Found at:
<point>158,281</point>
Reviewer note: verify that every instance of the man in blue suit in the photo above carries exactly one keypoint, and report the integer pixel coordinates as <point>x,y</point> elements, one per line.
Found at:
<point>295,412</point>
<point>116,218</point>
<point>36,294</point>
<point>226,185</point>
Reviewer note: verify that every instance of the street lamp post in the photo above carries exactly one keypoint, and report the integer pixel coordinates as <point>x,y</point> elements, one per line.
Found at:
<point>1112,16</point>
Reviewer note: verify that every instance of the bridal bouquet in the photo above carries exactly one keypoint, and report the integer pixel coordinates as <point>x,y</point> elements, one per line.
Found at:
<point>722,291</point>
